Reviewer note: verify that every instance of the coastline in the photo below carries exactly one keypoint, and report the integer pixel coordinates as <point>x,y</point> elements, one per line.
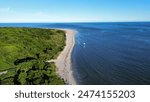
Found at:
<point>63,61</point>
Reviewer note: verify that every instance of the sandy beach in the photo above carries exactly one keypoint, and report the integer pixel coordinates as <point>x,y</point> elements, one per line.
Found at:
<point>63,62</point>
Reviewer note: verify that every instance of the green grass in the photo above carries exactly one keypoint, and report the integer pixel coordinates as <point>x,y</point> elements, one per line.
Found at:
<point>23,52</point>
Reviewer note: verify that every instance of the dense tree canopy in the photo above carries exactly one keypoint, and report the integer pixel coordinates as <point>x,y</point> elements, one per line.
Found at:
<point>24,52</point>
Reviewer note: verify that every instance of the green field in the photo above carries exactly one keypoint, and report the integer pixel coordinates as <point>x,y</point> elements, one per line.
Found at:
<point>24,52</point>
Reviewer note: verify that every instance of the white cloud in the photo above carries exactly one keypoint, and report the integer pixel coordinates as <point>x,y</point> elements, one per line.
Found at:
<point>5,10</point>
<point>10,15</point>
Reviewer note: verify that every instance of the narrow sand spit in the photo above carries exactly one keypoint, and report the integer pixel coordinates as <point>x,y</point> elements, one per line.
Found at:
<point>63,62</point>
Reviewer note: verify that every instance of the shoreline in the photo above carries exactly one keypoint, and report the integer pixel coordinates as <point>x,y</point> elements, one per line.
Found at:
<point>63,62</point>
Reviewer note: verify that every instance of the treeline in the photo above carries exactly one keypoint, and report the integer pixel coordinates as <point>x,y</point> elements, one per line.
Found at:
<point>24,52</point>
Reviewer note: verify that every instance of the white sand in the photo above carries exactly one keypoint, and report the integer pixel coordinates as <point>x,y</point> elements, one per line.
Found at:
<point>63,62</point>
<point>2,73</point>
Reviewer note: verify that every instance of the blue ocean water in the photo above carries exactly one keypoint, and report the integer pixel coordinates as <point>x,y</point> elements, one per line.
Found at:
<point>107,53</point>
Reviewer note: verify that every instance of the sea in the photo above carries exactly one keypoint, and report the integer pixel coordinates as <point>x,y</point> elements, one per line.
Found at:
<point>107,53</point>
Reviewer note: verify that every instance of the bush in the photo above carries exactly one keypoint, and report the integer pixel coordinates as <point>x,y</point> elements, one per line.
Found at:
<point>25,51</point>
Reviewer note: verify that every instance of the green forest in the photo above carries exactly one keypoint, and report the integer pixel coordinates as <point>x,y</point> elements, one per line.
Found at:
<point>24,53</point>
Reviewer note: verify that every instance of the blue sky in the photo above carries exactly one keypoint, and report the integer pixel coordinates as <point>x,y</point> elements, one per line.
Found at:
<point>74,10</point>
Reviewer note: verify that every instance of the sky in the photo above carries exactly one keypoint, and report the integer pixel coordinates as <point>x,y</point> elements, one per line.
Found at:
<point>74,10</point>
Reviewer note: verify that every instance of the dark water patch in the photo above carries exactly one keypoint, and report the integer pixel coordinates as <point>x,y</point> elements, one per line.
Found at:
<point>108,53</point>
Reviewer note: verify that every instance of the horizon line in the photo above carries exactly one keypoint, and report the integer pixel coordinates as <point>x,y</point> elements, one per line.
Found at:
<point>81,22</point>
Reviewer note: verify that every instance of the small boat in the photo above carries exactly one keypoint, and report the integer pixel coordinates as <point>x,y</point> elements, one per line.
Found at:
<point>84,45</point>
